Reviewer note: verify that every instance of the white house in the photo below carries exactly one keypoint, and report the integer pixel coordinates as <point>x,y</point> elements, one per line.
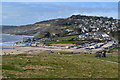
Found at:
<point>105,35</point>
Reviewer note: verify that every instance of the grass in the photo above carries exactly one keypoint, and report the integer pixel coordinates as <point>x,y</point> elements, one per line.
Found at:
<point>52,42</point>
<point>39,36</point>
<point>51,65</point>
<point>111,58</point>
<point>66,38</point>
<point>64,42</point>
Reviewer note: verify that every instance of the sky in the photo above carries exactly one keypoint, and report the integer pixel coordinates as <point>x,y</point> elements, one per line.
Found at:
<point>60,0</point>
<point>22,13</point>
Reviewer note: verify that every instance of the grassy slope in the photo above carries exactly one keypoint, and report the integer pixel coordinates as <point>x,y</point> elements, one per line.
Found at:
<point>46,65</point>
<point>66,38</point>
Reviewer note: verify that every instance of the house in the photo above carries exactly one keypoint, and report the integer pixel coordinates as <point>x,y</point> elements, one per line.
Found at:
<point>69,30</point>
<point>105,35</point>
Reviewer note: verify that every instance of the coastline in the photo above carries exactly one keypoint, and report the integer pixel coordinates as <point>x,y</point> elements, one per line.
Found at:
<point>10,39</point>
<point>7,43</point>
<point>6,50</point>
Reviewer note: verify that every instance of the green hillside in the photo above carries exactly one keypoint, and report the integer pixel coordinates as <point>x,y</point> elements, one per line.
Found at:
<point>76,24</point>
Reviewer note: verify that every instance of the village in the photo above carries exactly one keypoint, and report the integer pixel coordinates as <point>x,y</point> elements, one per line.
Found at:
<point>100,42</point>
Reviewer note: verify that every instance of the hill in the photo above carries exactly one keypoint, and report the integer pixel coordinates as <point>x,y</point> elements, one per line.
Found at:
<point>71,26</point>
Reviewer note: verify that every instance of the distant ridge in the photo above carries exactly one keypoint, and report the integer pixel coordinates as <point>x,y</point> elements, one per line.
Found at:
<point>79,23</point>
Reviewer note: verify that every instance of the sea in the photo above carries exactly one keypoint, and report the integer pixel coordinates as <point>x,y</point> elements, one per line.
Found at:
<point>8,39</point>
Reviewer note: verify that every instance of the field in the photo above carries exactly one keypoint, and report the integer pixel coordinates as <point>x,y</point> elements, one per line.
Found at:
<point>59,65</point>
<point>67,38</point>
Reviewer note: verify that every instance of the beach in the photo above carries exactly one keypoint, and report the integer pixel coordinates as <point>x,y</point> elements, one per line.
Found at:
<point>22,49</point>
<point>6,50</point>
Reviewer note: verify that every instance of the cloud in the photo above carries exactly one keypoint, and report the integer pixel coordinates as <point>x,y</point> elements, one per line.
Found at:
<point>19,13</point>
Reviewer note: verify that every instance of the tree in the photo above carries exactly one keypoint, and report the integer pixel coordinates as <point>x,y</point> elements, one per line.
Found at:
<point>47,35</point>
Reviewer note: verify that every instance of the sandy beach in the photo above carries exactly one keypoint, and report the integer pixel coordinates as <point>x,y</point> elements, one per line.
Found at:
<point>19,50</point>
<point>34,50</point>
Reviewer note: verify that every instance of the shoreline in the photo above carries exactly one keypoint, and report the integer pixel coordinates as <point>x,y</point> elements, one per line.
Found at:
<point>26,50</point>
<point>9,50</point>
<point>13,38</point>
<point>22,49</point>
<point>6,50</point>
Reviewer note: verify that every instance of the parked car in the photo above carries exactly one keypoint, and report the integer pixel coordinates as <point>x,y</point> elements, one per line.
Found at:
<point>91,47</point>
<point>92,44</point>
<point>80,46</point>
<point>97,47</point>
<point>67,47</point>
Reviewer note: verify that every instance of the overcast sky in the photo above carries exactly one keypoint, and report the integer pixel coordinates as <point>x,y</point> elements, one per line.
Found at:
<point>21,13</point>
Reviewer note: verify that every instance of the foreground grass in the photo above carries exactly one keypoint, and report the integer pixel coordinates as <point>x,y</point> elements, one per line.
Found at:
<point>111,58</point>
<point>51,65</point>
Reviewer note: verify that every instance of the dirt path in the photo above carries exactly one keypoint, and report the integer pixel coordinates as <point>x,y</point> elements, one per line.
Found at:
<point>109,61</point>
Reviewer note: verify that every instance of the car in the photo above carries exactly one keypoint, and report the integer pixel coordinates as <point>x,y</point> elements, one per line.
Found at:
<point>108,47</point>
<point>92,44</point>
<point>97,47</point>
<point>87,48</point>
<point>67,47</point>
<point>80,46</point>
<point>91,47</point>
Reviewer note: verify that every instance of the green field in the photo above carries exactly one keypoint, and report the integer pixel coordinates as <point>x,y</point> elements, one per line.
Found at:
<point>67,38</point>
<point>64,65</point>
